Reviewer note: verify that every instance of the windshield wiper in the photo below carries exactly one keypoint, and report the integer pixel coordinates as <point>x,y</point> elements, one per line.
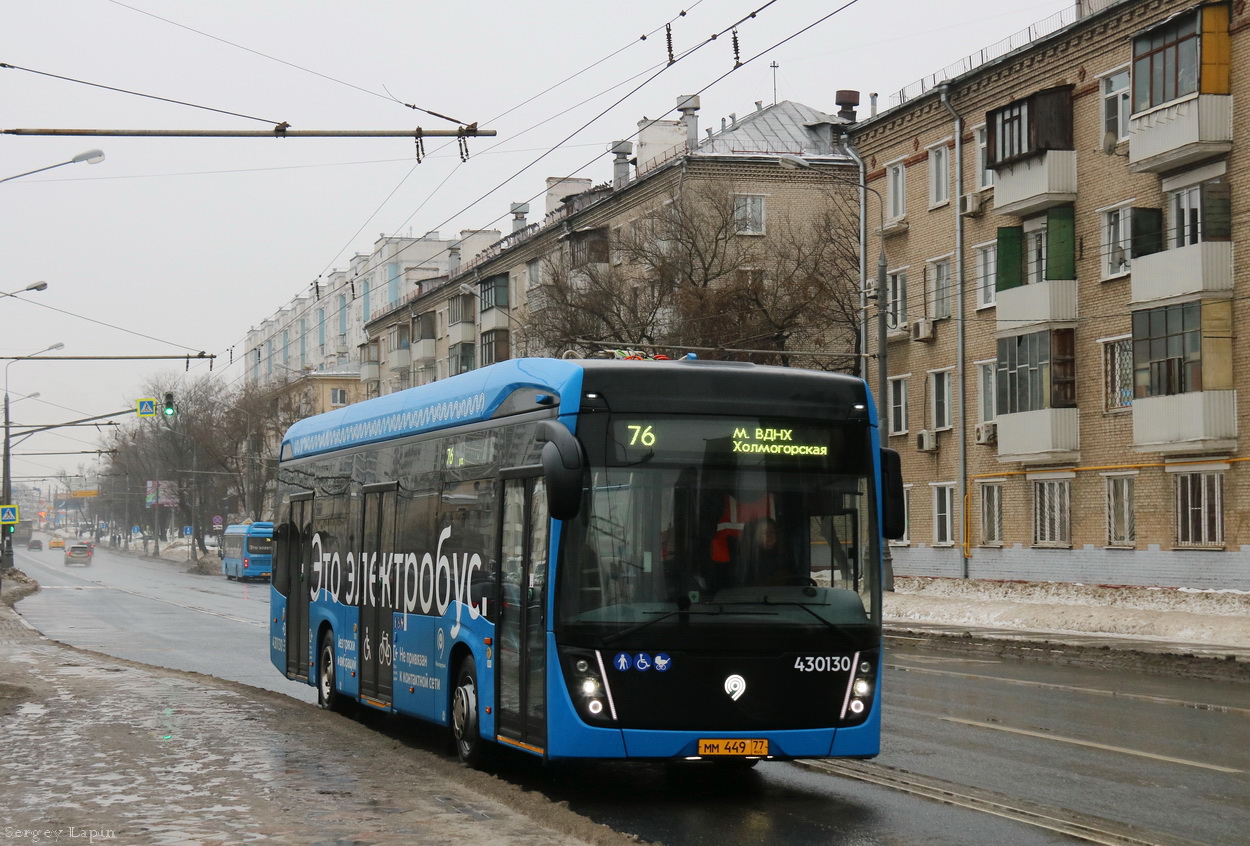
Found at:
<point>837,627</point>
<point>664,615</point>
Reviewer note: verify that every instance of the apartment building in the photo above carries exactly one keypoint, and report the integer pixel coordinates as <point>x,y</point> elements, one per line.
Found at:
<point>768,172</point>
<point>1063,367</point>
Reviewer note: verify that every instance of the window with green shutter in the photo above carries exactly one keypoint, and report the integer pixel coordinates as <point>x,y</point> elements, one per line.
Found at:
<point>1010,270</point>
<point>1061,243</point>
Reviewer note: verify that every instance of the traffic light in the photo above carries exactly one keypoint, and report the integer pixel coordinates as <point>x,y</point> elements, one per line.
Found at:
<point>169,404</point>
<point>9,528</point>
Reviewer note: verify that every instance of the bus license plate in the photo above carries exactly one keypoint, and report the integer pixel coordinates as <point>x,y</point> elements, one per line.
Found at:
<point>734,746</point>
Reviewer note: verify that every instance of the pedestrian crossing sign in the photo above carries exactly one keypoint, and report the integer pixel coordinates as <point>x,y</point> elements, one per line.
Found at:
<point>8,514</point>
<point>146,407</point>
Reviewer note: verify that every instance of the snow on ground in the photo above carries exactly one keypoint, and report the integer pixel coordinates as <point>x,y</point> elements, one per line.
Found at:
<point>1212,617</point>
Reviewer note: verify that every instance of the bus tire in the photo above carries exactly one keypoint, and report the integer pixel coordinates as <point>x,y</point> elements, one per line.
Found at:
<point>465,722</point>
<point>328,697</point>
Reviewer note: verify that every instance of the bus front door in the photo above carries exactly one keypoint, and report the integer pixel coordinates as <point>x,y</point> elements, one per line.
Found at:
<point>522,627</point>
<point>377,595</point>
<point>297,551</point>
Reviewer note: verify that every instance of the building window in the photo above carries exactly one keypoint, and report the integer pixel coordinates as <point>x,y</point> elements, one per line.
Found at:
<point>460,358</point>
<point>1116,106</point>
<point>460,310</point>
<point>342,315</point>
<point>896,299</point>
<point>985,173</point>
<point>1035,253</point>
<point>1200,509</point>
<point>940,273</point>
<point>987,372</point>
<point>939,175</point>
<point>1121,530</point>
<point>943,514</point>
<point>987,274</point>
<point>494,292</point>
<point>1117,357</point>
<point>940,387</point>
<point>991,514</point>
<point>898,405</point>
<point>589,247</point>
<point>1200,212</point>
<point>1036,124</point>
<point>1037,371</point>
<point>1167,350</point>
<point>905,540</point>
<point>1044,248</point>
<point>424,327</point>
<point>365,310</point>
<point>495,346</point>
<point>896,190</point>
<point>338,396</point>
<point>1117,242</point>
<point>1165,63</point>
<point>321,329</point>
<point>393,278</point>
<point>533,274</point>
<point>1052,512</point>
<point>749,214</point>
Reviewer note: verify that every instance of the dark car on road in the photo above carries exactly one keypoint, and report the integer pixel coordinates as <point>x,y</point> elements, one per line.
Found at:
<point>78,553</point>
<point>35,544</point>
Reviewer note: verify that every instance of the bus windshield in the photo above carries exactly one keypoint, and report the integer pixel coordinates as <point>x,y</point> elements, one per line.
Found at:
<point>691,520</point>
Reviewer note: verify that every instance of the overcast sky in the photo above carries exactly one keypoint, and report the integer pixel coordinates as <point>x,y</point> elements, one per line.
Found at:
<point>182,245</point>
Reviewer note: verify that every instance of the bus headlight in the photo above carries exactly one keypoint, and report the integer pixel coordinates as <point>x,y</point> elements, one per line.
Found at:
<point>861,687</point>
<point>584,675</point>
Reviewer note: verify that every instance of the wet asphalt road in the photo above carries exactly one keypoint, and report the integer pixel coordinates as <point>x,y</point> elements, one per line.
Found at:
<point>1165,755</point>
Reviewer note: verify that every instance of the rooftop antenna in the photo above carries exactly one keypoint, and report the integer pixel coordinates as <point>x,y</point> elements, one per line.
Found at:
<point>774,66</point>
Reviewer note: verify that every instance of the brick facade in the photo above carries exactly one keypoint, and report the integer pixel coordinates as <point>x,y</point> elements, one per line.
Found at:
<point>1052,464</point>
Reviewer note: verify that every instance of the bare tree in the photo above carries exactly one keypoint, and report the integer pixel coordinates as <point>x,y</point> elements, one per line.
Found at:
<point>683,276</point>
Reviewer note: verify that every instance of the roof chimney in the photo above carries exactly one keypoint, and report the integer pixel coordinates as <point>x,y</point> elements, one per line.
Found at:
<point>620,165</point>
<point>688,105</point>
<point>847,101</point>
<point>872,99</point>
<point>453,260</point>
<point>519,211</point>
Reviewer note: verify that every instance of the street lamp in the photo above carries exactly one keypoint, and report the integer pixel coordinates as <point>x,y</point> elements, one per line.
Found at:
<point>6,551</point>
<point>90,157</point>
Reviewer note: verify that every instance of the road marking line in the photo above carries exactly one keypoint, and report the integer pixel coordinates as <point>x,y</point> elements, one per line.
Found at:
<point>1095,691</point>
<point>1075,742</point>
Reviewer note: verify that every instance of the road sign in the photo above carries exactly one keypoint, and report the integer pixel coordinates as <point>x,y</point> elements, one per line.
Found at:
<point>186,531</point>
<point>146,407</point>
<point>84,494</point>
<point>135,530</point>
<point>217,520</point>
<point>8,514</point>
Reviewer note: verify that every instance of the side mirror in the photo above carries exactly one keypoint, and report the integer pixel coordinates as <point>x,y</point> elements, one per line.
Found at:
<point>564,464</point>
<point>894,515</point>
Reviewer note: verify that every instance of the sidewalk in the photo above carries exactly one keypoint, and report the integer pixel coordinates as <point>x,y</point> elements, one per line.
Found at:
<point>98,749</point>
<point>1203,633</point>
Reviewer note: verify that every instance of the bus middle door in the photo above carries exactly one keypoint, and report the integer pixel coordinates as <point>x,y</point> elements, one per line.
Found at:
<point>522,628</point>
<point>295,547</point>
<point>378,581</point>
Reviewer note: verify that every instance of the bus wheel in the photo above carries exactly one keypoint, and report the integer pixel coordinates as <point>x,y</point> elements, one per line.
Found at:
<point>327,696</point>
<point>470,747</point>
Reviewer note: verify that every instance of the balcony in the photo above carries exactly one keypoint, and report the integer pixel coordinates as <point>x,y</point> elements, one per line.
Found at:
<point>1200,421</point>
<point>1205,267</point>
<point>1036,183</point>
<point>424,351</point>
<point>400,359</point>
<point>1181,133</point>
<point>464,332</point>
<point>369,371</point>
<point>1041,302</point>
<point>1046,436</point>
<point>493,318</point>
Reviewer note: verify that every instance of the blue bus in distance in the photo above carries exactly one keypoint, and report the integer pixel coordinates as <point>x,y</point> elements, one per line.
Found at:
<point>247,551</point>
<point>611,559</point>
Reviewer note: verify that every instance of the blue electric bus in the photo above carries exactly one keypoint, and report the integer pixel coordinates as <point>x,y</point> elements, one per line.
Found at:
<point>247,551</point>
<point>567,558</point>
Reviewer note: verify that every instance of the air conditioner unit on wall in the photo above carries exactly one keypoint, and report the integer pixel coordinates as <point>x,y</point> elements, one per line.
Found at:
<point>970,204</point>
<point>922,329</point>
<point>987,433</point>
<point>926,440</point>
